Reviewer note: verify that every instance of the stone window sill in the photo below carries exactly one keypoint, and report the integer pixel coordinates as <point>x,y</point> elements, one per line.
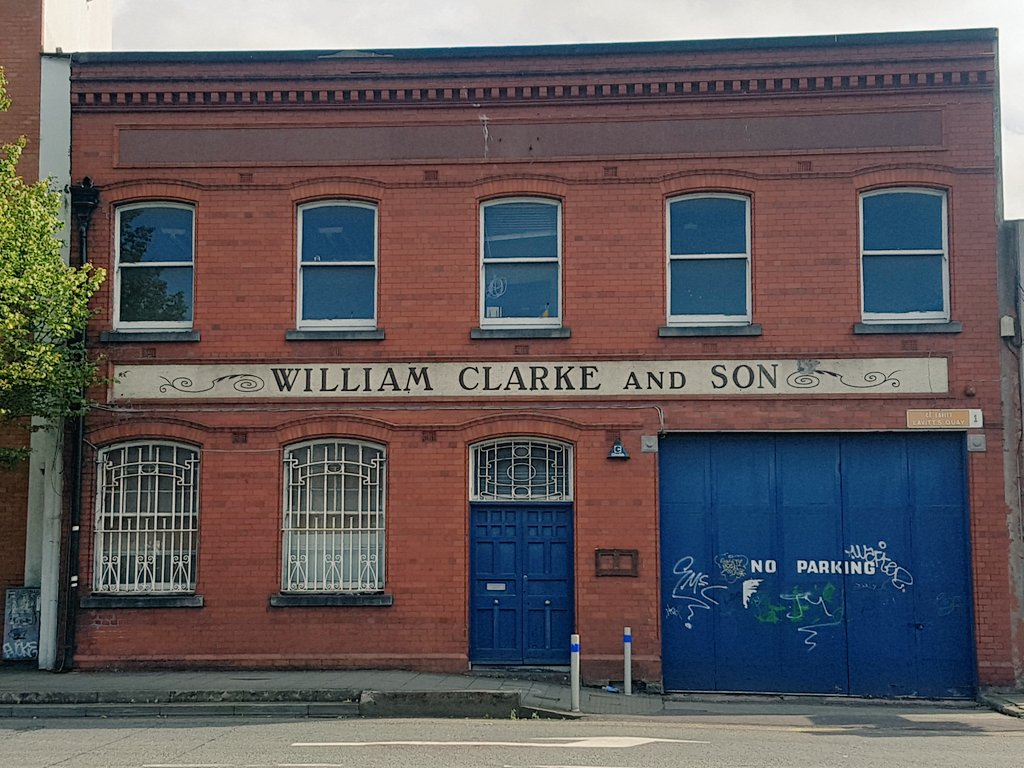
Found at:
<point>520,333</point>
<point>147,337</point>
<point>667,331</point>
<point>312,334</point>
<point>869,328</point>
<point>142,601</point>
<point>380,599</point>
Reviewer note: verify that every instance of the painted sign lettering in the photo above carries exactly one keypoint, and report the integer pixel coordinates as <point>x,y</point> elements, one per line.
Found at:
<point>599,378</point>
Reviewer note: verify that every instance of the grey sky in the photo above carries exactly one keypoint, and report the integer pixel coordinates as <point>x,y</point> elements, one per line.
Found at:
<point>151,25</point>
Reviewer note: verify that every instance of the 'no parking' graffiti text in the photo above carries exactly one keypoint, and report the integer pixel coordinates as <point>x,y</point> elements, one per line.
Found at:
<point>809,608</point>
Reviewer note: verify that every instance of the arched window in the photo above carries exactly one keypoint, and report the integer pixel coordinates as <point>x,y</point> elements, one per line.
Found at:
<point>147,518</point>
<point>153,282</point>
<point>904,256</point>
<point>337,265</point>
<point>520,263</point>
<point>333,528</point>
<point>522,469</point>
<point>709,260</point>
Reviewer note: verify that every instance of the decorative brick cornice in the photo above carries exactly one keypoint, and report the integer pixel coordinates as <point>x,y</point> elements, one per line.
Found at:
<point>333,93</point>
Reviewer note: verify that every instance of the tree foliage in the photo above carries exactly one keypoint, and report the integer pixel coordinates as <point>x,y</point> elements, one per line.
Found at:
<point>44,305</point>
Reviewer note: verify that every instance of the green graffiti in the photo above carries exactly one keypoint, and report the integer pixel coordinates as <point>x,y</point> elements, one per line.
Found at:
<point>768,613</point>
<point>801,605</point>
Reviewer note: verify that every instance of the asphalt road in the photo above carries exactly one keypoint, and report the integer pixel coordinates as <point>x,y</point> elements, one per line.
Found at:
<point>878,736</point>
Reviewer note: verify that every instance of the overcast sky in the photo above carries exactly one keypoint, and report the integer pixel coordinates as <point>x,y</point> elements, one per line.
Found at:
<point>194,25</point>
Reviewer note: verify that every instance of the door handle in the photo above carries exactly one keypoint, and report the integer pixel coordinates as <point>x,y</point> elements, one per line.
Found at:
<point>547,602</point>
<point>495,601</point>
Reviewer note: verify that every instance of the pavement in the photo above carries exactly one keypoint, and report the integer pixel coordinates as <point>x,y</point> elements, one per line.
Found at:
<point>27,692</point>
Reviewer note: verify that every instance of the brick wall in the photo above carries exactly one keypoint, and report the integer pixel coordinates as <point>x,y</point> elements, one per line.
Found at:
<point>20,61</point>
<point>805,288</point>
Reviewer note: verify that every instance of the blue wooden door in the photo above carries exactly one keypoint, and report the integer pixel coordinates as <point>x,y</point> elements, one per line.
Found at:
<point>521,599</point>
<point>816,564</point>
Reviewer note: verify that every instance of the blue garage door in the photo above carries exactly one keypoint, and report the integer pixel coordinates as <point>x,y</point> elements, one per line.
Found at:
<point>816,564</point>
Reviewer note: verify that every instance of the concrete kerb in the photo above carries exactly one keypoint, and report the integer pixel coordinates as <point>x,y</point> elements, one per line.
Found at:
<point>365,704</point>
<point>364,693</point>
<point>1010,703</point>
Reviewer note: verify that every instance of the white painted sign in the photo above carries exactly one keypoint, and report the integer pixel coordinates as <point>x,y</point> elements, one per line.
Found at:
<point>560,379</point>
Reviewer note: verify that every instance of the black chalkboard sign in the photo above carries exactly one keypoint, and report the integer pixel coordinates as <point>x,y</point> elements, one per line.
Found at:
<point>21,624</point>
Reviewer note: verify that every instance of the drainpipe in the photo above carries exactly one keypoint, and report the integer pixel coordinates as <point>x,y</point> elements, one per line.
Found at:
<point>85,199</point>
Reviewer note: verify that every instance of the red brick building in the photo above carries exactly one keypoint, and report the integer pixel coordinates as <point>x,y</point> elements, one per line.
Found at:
<point>21,70</point>
<point>432,358</point>
<point>31,493</point>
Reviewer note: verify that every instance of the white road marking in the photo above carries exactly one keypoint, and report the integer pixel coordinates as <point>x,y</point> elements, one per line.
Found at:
<point>596,742</point>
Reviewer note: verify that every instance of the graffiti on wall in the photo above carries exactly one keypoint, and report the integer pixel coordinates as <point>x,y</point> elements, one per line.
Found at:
<point>880,561</point>
<point>807,608</point>
<point>21,624</point>
<point>693,589</point>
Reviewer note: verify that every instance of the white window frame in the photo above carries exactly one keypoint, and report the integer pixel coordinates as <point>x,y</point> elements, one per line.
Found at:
<point>332,569</point>
<point>520,451</point>
<point>521,322</point>
<point>710,319</point>
<point>142,538</point>
<point>352,323</point>
<point>151,325</point>
<point>941,316</point>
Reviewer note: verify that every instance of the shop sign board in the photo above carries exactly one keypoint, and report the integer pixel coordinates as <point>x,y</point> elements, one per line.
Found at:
<point>555,379</point>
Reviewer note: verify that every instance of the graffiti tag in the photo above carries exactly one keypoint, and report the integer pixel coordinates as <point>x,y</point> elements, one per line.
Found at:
<point>693,588</point>
<point>900,577</point>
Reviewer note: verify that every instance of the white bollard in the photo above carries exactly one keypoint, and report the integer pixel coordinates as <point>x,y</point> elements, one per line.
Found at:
<point>627,654</point>
<point>574,671</point>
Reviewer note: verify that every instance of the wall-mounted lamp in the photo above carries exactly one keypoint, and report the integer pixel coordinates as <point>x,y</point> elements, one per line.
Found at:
<point>618,451</point>
<point>85,198</point>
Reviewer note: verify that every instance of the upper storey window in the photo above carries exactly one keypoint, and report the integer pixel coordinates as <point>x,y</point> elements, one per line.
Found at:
<point>154,273</point>
<point>709,260</point>
<point>904,256</point>
<point>338,265</point>
<point>521,254</point>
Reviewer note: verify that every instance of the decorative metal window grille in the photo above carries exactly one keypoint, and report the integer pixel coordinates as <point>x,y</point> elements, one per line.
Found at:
<point>147,518</point>
<point>522,470</point>
<point>334,518</point>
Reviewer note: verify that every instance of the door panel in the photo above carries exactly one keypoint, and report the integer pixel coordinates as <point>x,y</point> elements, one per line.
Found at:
<point>495,615</point>
<point>521,583</point>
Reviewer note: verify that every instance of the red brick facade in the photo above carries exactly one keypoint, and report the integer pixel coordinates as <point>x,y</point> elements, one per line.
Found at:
<point>20,61</point>
<point>428,137</point>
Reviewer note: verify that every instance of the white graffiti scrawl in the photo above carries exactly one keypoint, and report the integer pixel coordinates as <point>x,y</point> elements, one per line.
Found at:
<point>694,589</point>
<point>879,558</point>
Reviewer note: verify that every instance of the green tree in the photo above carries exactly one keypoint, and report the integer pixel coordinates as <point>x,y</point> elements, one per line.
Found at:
<point>44,305</point>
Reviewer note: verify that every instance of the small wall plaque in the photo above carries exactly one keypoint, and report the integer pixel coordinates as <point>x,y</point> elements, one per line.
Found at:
<point>616,562</point>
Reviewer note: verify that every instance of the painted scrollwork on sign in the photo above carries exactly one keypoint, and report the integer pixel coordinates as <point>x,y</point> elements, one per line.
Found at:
<point>240,382</point>
<point>808,376</point>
